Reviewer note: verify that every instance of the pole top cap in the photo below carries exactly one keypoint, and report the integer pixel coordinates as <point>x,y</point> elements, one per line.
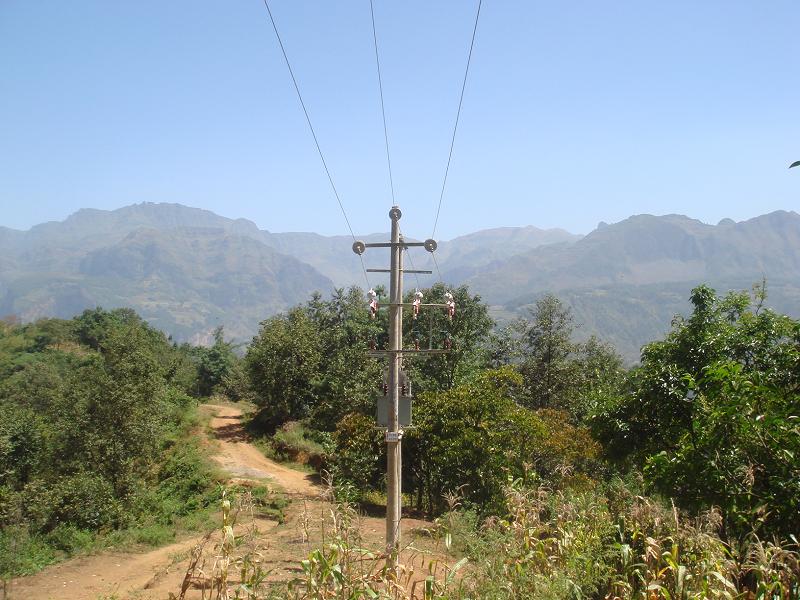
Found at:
<point>395,214</point>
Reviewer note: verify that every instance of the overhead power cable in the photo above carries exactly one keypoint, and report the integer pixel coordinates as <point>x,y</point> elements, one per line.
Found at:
<point>458,115</point>
<point>411,260</point>
<point>383,108</point>
<point>438,270</point>
<point>314,135</point>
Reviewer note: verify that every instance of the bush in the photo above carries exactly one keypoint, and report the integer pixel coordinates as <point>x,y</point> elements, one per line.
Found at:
<point>94,423</point>
<point>83,500</point>
<point>295,442</point>
<point>580,545</point>
<point>70,539</point>
<point>712,418</point>
<point>22,553</point>
<point>471,438</point>
<point>186,482</point>
<point>359,453</point>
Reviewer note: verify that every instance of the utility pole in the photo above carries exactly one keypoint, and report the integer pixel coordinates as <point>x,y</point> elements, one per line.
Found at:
<point>395,352</point>
<point>394,436</point>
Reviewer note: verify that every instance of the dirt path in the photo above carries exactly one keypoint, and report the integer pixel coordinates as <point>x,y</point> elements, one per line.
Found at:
<point>154,574</point>
<point>242,460</point>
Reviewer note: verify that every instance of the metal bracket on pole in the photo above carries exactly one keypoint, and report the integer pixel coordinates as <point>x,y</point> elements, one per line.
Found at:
<point>404,271</point>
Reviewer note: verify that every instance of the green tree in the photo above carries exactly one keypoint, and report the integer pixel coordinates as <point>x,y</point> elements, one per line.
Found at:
<point>713,411</point>
<point>284,365</point>
<point>601,374</point>
<point>21,445</point>
<point>216,363</point>
<point>124,408</point>
<point>312,362</point>
<point>741,453</point>
<point>90,410</point>
<point>348,379</point>
<point>548,371</point>
<point>360,453</point>
<point>505,344</point>
<point>561,373</point>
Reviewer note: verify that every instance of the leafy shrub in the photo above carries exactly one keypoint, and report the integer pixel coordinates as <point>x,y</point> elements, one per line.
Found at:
<point>581,545</point>
<point>713,414</point>
<point>186,481</point>
<point>215,365</point>
<point>23,553</point>
<point>294,442</point>
<point>93,421</point>
<point>69,539</point>
<point>21,444</point>
<point>84,500</point>
<point>471,438</point>
<point>359,453</point>
<point>282,362</point>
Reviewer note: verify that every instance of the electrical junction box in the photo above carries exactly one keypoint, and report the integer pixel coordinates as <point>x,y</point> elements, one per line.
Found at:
<point>403,411</point>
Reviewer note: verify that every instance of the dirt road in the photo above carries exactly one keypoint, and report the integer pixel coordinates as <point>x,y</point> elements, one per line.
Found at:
<point>240,459</point>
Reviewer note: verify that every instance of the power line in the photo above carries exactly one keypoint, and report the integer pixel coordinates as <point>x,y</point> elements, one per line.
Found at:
<point>438,270</point>
<point>458,115</point>
<point>383,109</point>
<point>314,135</point>
<point>413,268</point>
<point>411,260</point>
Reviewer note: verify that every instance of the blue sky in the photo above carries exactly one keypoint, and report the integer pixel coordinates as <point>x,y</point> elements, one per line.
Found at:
<point>575,112</point>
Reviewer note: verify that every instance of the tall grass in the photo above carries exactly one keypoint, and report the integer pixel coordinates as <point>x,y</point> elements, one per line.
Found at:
<point>578,544</point>
<point>550,545</point>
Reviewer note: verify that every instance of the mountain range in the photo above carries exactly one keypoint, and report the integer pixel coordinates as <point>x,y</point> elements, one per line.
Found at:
<point>187,270</point>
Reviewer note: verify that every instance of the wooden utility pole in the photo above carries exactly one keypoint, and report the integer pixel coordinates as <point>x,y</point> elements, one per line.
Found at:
<point>395,352</point>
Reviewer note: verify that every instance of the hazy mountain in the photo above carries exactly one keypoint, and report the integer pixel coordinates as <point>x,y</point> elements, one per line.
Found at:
<point>625,281</point>
<point>463,256</point>
<point>187,270</point>
<point>331,255</point>
<point>334,257</point>
<point>645,249</point>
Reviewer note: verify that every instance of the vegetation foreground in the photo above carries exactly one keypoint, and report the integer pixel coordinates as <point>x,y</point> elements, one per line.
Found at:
<point>550,469</point>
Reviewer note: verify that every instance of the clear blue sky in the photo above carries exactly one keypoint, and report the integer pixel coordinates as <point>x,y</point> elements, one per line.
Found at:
<point>575,112</point>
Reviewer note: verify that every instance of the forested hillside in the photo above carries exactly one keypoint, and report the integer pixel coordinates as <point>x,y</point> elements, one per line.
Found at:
<point>548,468</point>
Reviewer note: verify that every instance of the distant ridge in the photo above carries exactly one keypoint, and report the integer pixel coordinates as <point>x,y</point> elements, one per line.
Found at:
<point>626,280</point>
<point>188,270</point>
